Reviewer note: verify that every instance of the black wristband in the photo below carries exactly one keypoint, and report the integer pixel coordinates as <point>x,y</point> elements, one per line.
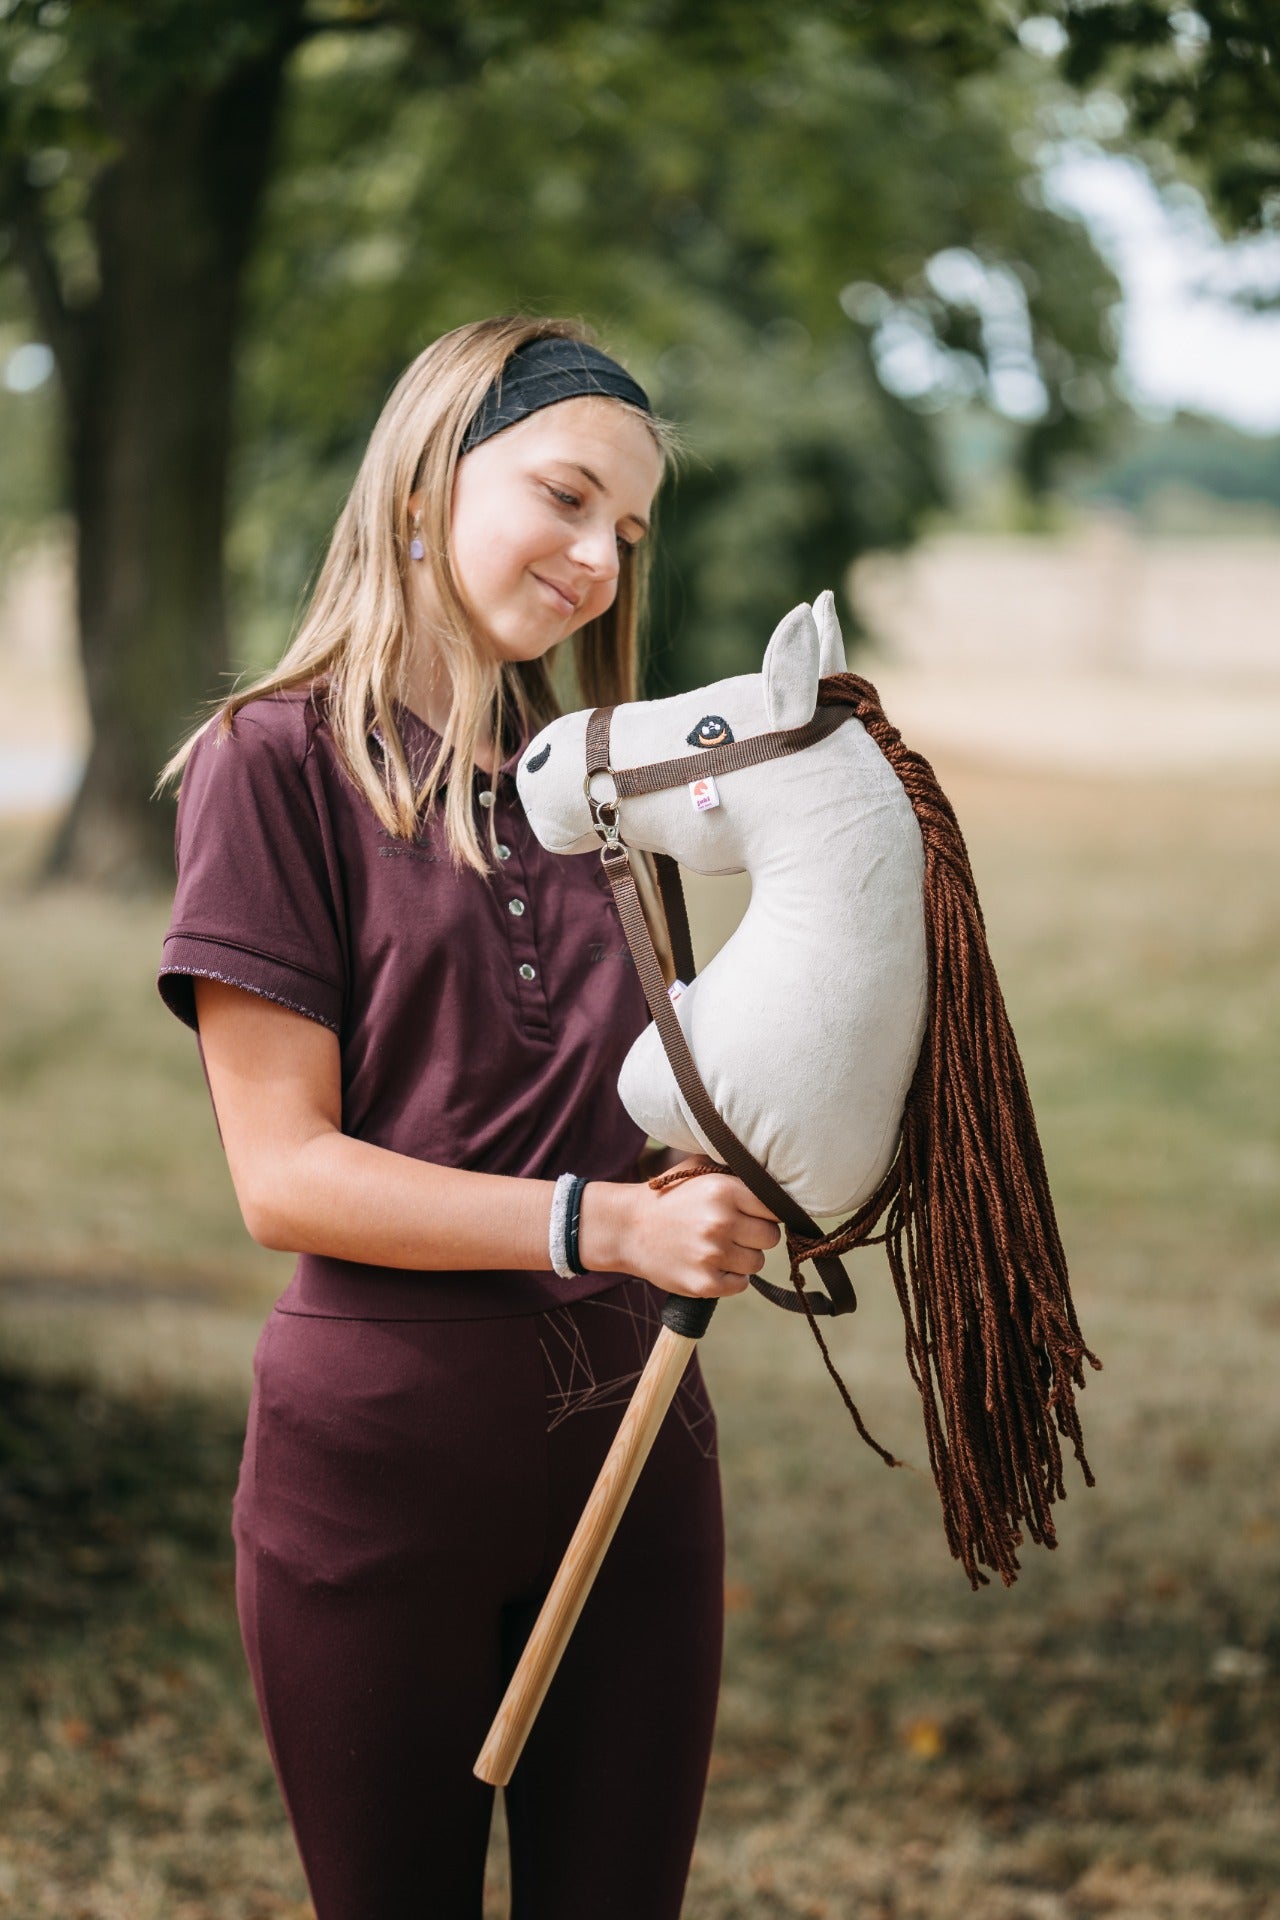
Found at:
<point>572,1220</point>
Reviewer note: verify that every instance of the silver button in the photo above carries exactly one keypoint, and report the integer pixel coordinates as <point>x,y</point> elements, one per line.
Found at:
<point>526,971</point>
<point>486,797</point>
<point>504,853</point>
<point>516,907</point>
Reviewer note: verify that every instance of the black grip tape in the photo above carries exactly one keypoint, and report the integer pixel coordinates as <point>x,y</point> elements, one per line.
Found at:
<point>688,1317</point>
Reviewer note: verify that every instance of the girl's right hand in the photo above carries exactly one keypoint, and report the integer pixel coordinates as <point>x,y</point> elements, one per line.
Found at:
<point>700,1237</point>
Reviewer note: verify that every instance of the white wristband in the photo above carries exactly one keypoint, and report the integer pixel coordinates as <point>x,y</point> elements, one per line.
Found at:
<point>559,1224</point>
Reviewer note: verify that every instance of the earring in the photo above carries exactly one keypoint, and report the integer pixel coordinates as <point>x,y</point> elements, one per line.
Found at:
<point>416,549</point>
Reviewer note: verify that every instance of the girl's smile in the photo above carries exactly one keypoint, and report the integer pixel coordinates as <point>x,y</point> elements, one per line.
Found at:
<point>567,601</point>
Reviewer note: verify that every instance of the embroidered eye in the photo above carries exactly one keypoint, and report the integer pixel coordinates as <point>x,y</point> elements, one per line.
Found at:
<point>711,731</point>
<point>538,760</point>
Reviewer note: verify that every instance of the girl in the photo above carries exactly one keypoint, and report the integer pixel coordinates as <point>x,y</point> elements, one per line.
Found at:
<point>411,1020</point>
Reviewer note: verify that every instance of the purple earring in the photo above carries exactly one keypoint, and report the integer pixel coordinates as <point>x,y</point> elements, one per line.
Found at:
<point>416,548</point>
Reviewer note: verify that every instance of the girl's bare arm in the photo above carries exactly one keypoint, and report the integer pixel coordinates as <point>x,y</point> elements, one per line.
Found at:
<point>306,1187</point>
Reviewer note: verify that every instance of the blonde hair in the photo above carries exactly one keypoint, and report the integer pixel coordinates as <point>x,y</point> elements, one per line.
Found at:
<point>353,642</point>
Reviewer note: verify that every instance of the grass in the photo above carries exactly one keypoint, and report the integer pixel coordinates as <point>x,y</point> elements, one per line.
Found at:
<point>111,1168</point>
<point>1100,1740</point>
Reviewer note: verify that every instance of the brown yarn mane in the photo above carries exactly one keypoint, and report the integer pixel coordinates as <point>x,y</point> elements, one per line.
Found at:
<point>992,1338</point>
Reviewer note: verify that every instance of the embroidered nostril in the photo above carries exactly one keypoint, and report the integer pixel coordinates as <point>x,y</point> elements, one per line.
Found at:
<point>711,731</point>
<point>538,760</point>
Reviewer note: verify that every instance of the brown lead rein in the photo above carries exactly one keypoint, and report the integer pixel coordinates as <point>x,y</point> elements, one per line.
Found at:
<point>803,1231</point>
<point>840,1297</point>
<point>677,915</point>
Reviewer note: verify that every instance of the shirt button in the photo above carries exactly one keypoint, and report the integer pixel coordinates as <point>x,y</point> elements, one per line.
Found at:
<point>504,853</point>
<point>516,907</point>
<point>486,797</point>
<point>526,971</point>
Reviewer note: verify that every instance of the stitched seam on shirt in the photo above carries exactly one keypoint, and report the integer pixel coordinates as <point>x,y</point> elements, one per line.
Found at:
<point>311,718</point>
<point>287,700</point>
<point>239,946</point>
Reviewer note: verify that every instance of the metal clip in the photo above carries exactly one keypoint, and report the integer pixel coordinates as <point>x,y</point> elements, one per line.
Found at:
<point>604,813</point>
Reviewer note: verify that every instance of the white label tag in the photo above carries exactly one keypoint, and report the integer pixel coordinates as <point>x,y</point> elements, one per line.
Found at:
<point>703,793</point>
<point>674,991</point>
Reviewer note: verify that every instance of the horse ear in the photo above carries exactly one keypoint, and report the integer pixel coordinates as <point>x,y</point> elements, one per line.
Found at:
<point>790,671</point>
<point>831,659</point>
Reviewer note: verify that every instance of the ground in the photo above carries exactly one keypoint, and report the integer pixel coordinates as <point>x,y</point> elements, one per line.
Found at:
<point>1099,1740</point>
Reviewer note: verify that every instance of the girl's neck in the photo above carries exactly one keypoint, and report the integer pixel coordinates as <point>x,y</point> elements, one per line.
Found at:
<point>431,706</point>
<point>427,684</point>
<point>415,706</point>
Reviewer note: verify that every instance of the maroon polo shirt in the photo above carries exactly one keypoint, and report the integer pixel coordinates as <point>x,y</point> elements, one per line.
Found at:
<point>482,1021</point>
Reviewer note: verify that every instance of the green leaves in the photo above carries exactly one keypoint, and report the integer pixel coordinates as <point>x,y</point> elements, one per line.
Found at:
<point>703,182</point>
<point>1201,82</point>
<point>704,192</point>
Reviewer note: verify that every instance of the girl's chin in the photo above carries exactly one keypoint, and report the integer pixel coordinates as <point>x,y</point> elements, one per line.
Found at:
<point>528,640</point>
<point>541,624</point>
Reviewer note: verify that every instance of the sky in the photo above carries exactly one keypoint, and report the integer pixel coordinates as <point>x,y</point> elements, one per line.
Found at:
<point>1183,344</point>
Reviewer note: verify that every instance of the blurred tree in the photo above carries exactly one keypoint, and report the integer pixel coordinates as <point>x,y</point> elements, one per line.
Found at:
<point>29,494</point>
<point>756,244</point>
<point>712,182</point>
<point>1202,79</point>
<point>134,147</point>
<point>1202,459</point>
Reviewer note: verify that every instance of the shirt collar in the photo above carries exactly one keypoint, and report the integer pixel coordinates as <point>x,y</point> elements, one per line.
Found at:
<point>422,744</point>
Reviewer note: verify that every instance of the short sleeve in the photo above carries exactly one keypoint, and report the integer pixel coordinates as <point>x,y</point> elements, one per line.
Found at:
<point>256,901</point>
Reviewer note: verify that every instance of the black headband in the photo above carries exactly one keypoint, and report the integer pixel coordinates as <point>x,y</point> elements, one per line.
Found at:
<point>543,371</point>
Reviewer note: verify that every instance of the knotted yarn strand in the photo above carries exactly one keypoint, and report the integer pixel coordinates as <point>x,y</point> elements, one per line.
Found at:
<point>993,1341</point>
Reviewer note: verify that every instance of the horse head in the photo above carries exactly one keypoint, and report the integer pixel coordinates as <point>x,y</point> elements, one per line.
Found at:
<point>715,839</point>
<point>806,1025</point>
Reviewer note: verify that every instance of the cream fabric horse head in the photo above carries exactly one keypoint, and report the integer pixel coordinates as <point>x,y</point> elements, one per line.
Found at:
<point>807,1024</point>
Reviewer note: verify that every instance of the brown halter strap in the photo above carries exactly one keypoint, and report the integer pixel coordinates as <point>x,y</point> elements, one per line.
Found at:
<point>653,778</point>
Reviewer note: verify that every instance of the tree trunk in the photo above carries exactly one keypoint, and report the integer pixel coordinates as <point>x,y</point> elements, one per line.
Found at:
<point>149,409</point>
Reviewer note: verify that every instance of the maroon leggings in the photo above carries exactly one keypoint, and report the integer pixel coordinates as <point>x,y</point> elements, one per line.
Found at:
<point>407,1490</point>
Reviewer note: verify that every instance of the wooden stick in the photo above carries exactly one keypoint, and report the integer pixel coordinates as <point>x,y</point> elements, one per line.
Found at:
<point>654,1393</point>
